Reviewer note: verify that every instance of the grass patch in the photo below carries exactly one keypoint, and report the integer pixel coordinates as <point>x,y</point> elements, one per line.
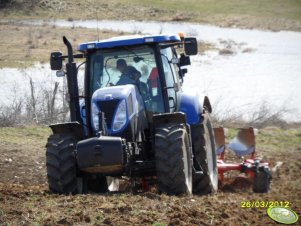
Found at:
<point>16,64</point>
<point>273,138</point>
<point>203,47</point>
<point>25,45</point>
<point>18,41</point>
<point>31,135</point>
<point>266,14</point>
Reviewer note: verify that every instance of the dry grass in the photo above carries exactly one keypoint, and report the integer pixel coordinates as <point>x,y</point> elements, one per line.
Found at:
<point>22,46</point>
<point>267,14</point>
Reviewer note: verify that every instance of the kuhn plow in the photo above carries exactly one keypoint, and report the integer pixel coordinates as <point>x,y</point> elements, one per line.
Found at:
<point>243,146</point>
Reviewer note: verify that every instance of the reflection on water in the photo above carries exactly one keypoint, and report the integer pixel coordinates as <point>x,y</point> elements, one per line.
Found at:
<point>265,66</point>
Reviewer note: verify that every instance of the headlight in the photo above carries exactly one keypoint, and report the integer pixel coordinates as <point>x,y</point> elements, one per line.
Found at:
<point>120,118</point>
<point>95,117</point>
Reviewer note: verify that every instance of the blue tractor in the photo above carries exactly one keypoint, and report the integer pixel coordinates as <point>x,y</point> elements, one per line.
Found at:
<point>134,121</point>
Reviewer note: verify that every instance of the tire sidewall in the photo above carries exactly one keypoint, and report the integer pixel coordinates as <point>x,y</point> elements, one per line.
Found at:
<point>61,151</point>
<point>210,152</point>
<point>165,138</point>
<point>187,158</point>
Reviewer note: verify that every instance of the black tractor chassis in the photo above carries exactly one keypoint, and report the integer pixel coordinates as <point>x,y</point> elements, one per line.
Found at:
<point>104,154</point>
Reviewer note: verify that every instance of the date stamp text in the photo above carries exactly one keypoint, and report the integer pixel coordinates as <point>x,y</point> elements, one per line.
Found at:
<point>264,204</point>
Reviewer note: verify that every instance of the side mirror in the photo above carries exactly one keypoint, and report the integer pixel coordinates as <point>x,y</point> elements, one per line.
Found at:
<point>56,61</point>
<point>190,46</point>
<point>184,60</point>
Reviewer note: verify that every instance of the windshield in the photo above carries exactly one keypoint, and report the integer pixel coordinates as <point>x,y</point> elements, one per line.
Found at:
<point>135,65</point>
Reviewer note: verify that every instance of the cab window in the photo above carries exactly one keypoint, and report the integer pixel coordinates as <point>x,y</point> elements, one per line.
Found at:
<point>171,76</point>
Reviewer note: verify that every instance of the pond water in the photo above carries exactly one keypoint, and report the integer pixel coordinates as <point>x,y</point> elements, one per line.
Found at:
<point>263,67</point>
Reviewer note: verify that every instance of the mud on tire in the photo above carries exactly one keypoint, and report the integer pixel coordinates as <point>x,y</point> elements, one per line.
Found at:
<point>205,157</point>
<point>61,164</point>
<point>173,159</point>
<point>262,181</point>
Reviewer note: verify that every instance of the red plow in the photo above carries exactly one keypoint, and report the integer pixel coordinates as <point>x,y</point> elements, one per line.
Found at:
<point>243,146</point>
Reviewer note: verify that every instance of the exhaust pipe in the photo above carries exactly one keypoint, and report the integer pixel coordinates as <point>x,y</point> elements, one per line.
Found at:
<point>72,82</point>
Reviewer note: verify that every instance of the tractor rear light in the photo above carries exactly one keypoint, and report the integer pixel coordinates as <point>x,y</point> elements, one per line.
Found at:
<point>120,118</point>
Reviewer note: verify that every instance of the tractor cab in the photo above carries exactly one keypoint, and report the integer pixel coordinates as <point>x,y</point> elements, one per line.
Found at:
<point>141,73</point>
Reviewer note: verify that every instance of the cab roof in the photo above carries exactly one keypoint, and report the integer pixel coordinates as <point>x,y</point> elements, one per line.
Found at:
<point>130,40</point>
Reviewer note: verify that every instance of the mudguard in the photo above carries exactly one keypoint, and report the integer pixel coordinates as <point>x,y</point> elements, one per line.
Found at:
<point>190,105</point>
<point>74,128</point>
<point>166,118</point>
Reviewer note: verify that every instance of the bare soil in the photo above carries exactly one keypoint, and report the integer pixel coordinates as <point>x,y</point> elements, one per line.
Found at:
<point>25,199</point>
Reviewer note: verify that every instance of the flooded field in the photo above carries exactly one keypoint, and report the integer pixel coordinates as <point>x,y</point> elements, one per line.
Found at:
<point>248,69</point>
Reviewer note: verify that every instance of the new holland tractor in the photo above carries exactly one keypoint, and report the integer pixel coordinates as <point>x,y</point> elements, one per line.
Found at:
<point>133,121</point>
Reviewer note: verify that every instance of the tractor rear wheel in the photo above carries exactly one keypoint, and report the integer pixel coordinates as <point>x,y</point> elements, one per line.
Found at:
<point>173,159</point>
<point>205,158</point>
<point>61,164</point>
<point>262,181</point>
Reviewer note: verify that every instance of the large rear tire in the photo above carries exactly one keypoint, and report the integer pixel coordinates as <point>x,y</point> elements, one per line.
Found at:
<point>205,158</point>
<point>173,159</point>
<point>61,164</point>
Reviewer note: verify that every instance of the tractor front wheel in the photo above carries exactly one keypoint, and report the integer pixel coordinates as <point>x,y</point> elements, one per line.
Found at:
<point>173,159</point>
<point>61,164</point>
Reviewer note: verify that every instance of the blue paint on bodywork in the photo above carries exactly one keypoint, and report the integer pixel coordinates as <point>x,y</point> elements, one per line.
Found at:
<point>127,41</point>
<point>83,116</point>
<point>191,106</point>
<point>119,93</point>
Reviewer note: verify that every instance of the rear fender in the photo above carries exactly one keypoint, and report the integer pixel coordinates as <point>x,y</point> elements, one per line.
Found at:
<point>190,105</point>
<point>169,118</point>
<point>177,117</point>
<point>74,128</point>
<point>173,118</point>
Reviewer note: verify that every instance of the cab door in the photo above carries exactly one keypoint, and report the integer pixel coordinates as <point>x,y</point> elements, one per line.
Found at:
<point>171,75</point>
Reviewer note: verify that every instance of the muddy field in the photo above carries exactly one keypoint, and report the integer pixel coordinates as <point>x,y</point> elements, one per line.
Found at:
<point>25,200</point>
<point>24,195</point>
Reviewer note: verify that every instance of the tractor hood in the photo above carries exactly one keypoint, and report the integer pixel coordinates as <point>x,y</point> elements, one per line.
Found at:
<point>120,104</point>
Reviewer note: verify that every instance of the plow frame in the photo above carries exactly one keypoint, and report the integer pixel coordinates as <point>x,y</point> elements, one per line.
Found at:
<point>248,166</point>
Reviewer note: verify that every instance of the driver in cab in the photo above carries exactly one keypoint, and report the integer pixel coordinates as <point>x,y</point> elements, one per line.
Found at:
<point>129,74</point>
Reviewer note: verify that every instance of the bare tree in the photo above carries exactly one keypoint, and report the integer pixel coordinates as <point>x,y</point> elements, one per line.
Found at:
<point>51,102</point>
